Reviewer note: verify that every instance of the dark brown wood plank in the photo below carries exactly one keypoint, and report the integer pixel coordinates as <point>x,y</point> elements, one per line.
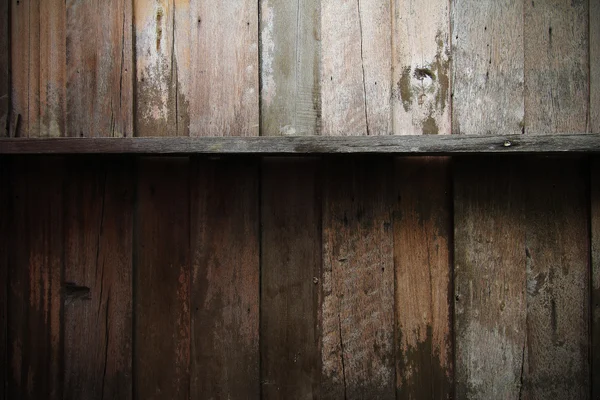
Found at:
<point>4,68</point>
<point>225,280</point>
<point>98,291</point>
<point>424,296</point>
<point>358,281</point>
<point>162,280</point>
<point>5,241</point>
<point>595,301</point>
<point>35,273</point>
<point>290,278</point>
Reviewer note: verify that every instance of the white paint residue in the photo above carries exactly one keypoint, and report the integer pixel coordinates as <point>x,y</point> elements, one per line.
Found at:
<point>269,88</point>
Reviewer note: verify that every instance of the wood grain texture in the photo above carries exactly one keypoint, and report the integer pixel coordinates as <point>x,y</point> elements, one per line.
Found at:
<point>35,278</point>
<point>290,279</point>
<point>489,278</point>
<point>4,68</point>
<point>421,66</point>
<point>595,276</point>
<point>99,66</point>
<point>357,351</point>
<point>5,242</point>
<point>356,67</point>
<point>556,66</point>
<point>594,28</point>
<point>225,280</point>
<point>423,276</point>
<point>290,67</point>
<point>487,67</point>
<point>161,280</point>
<point>98,285</point>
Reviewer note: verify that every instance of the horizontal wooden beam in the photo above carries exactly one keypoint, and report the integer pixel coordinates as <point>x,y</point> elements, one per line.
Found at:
<point>290,145</point>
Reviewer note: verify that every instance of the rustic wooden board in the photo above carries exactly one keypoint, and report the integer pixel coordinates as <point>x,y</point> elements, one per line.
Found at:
<point>161,280</point>
<point>225,280</point>
<point>423,277</point>
<point>290,67</point>
<point>5,241</point>
<point>556,66</point>
<point>421,67</point>
<point>489,278</point>
<point>290,279</point>
<point>356,67</point>
<point>357,351</point>
<point>100,70</point>
<point>594,106</point>
<point>4,68</point>
<point>487,66</point>
<point>595,276</point>
<point>98,285</point>
<point>35,274</point>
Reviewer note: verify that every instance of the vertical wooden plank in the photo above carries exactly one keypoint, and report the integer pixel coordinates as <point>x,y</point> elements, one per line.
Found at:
<point>421,65</point>
<point>161,280</point>
<point>5,242</point>
<point>356,67</point>
<point>4,68</point>
<point>225,280</point>
<point>489,278</point>
<point>487,66</point>
<point>358,281</point>
<point>423,266</point>
<point>290,67</point>
<point>98,289</point>
<point>595,301</point>
<point>290,279</point>
<point>99,68</point>
<point>35,274</point>
<point>556,66</point>
<point>594,106</point>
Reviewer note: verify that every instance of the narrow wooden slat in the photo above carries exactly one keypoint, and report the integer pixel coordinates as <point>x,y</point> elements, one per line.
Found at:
<point>424,297</point>
<point>421,65</point>
<point>161,281</point>
<point>4,68</point>
<point>487,66</point>
<point>98,289</point>
<point>358,281</point>
<point>5,242</point>
<point>35,273</point>
<point>595,276</point>
<point>356,67</point>
<point>20,63</point>
<point>290,279</point>
<point>594,106</point>
<point>290,67</point>
<point>225,280</point>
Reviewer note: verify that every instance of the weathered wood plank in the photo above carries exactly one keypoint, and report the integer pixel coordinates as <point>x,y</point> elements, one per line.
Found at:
<point>225,280</point>
<point>421,66</point>
<point>4,68</point>
<point>556,66</point>
<point>357,351</point>
<point>98,291</point>
<point>356,67</point>
<point>487,66</point>
<point>161,280</point>
<point>35,273</point>
<point>99,68</point>
<point>423,300</point>
<point>290,67</point>
<point>290,279</point>
<point>594,106</point>
<point>489,278</point>
<point>5,247</point>
<point>595,276</point>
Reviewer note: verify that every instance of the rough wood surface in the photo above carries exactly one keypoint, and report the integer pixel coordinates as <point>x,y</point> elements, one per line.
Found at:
<point>290,279</point>
<point>421,67</point>
<point>290,67</point>
<point>357,351</point>
<point>594,106</point>
<point>595,276</point>
<point>556,65</point>
<point>98,288</point>
<point>4,68</point>
<point>5,241</point>
<point>161,280</point>
<point>487,67</point>
<point>423,265</point>
<point>35,286</point>
<point>356,71</point>
<point>99,62</point>
<point>225,280</point>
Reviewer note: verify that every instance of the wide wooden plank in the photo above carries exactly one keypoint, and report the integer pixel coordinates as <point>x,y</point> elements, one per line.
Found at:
<point>290,279</point>
<point>225,280</point>
<point>98,285</point>
<point>421,66</point>
<point>487,66</point>
<point>423,299</point>
<point>357,351</point>
<point>161,280</point>
<point>595,276</point>
<point>290,67</point>
<point>35,286</point>
<point>4,68</point>
<point>356,67</point>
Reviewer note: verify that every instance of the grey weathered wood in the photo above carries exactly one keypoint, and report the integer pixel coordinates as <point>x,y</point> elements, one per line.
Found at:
<point>4,68</point>
<point>594,21</point>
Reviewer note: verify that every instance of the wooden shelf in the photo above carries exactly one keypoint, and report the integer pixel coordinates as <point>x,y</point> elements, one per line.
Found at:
<point>299,145</point>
